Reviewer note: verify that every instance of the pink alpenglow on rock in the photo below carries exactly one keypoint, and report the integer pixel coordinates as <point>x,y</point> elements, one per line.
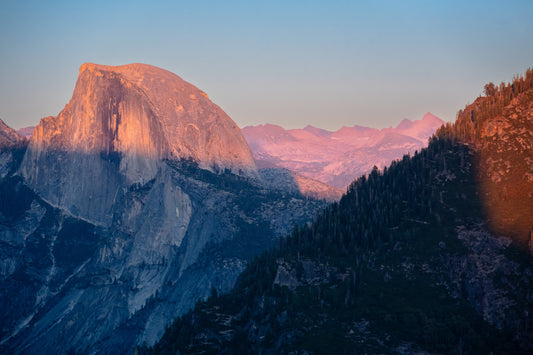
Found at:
<point>120,124</point>
<point>8,136</point>
<point>139,109</point>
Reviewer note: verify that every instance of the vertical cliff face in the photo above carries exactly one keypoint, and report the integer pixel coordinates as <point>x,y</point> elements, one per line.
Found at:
<point>336,158</point>
<point>146,111</point>
<point>119,125</point>
<point>135,201</point>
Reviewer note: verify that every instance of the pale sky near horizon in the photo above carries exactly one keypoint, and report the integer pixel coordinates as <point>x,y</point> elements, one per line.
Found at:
<point>292,63</point>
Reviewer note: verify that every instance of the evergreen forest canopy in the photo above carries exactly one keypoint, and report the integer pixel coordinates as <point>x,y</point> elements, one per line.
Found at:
<point>412,258</point>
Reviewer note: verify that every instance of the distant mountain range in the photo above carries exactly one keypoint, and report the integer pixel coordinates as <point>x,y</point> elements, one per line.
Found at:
<point>336,158</point>
<point>26,131</point>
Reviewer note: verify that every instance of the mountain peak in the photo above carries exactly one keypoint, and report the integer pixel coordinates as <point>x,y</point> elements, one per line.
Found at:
<point>121,123</point>
<point>405,124</point>
<point>319,132</point>
<point>429,117</point>
<point>8,136</point>
<point>140,109</point>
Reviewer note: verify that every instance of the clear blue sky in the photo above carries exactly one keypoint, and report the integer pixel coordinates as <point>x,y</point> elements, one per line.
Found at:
<point>325,63</point>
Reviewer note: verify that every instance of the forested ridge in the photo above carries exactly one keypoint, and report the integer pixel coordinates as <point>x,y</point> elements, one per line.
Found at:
<point>499,127</point>
<point>410,259</point>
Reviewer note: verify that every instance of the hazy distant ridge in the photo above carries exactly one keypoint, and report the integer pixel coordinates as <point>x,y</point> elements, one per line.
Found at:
<point>336,158</point>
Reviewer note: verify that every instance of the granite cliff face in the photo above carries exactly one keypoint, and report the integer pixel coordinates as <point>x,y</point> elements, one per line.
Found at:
<point>144,111</point>
<point>119,125</point>
<point>136,200</point>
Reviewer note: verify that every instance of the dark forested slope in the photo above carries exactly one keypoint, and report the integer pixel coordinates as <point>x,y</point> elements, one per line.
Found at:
<point>430,254</point>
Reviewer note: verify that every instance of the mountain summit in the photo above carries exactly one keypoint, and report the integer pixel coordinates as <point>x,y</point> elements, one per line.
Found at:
<point>131,117</point>
<point>141,110</point>
<point>8,136</point>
